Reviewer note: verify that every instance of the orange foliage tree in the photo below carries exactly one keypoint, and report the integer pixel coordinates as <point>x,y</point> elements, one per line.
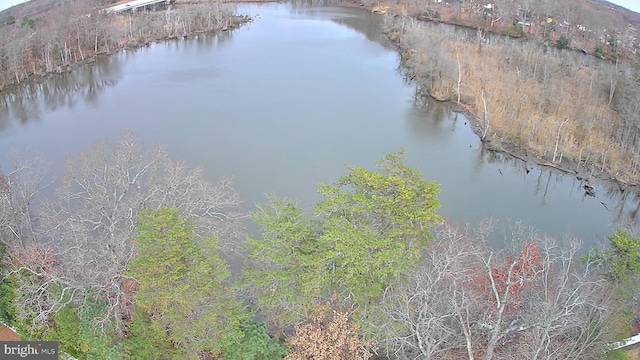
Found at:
<point>329,336</point>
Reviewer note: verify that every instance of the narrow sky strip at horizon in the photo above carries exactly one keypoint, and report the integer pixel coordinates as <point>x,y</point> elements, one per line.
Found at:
<point>633,5</point>
<point>5,4</point>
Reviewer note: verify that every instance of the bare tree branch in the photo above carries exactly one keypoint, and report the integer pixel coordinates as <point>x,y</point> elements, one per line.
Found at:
<point>89,223</point>
<point>530,300</point>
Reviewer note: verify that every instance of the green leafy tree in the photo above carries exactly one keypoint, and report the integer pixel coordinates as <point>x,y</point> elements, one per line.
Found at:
<point>182,290</point>
<point>102,340</point>
<point>371,229</point>
<point>619,262</point>
<point>67,332</point>
<point>622,258</point>
<point>10,20</point>
<point>146,341</point>
<point>7,296</point>
<point>26,22</point>
<point>598,51</point>
<point>255,345</point>
<point>287,272</point>
<point>376,225</point>
<point>75,329</point>
<point>8,288</point>
<point>619,265</point>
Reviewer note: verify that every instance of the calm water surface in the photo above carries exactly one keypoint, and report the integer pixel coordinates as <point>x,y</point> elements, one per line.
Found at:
<point>286,102</point>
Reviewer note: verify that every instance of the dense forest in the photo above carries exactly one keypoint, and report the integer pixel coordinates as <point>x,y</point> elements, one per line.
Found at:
<point>131,254</point>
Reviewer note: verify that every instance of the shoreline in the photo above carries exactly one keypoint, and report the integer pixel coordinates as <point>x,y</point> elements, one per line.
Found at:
<point>67,68</point>
<point>234,21</point>
<point>568,167</point>
<point>586,173</point>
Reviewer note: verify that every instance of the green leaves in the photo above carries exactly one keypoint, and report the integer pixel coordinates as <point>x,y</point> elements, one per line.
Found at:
<point>287,271</point>
<point>75,329</point>
<point>8,287</point>
<point>146,341</point>
<point>623,255</point>
<point>181,289</point>
<point>370,228</point>
<point>377,223</point>
<point>256,345</point>
<point>563,42</point>
<point>68,332</point>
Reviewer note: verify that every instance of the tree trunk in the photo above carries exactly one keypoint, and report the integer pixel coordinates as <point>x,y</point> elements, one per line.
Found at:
<point>555,151</point>
<point>486,117</point>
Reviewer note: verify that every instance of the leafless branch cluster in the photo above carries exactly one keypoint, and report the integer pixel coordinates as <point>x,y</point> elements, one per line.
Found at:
<point>89,223</point>
<point>18,189</point>
<point>77,30</point>
<point>469,301</point>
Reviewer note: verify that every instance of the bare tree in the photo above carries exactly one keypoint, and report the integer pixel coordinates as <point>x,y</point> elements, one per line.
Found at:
<point>531,300</point>
<point>567,309</point>
<point>91,220</point>
<point>18,189</point>
<point>428,312</point>
<point>485,115</point>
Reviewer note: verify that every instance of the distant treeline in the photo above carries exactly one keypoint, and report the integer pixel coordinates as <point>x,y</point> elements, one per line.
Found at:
<point>75,31</point>
<point>593,27</point>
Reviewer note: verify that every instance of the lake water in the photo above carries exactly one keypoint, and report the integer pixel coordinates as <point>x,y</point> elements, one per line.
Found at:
<point>289,101</point>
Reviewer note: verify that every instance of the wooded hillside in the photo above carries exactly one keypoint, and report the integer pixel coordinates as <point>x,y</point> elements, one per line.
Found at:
<point>62,34</point>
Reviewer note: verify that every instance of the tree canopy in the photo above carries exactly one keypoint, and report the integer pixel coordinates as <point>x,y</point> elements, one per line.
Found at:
<point>181,289</point>
<point>368,230</point>
<point>85,229</point>
<point>528,301</point>
<point>128,263</point>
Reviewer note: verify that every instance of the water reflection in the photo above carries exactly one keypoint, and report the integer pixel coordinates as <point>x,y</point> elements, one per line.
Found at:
<point>543,181</point>
<point>201,43</point>
<point>29,100</point>
<point>429,119</point>
<point>623,205</point>
<point>368,26</point>
<point>289,100</point>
